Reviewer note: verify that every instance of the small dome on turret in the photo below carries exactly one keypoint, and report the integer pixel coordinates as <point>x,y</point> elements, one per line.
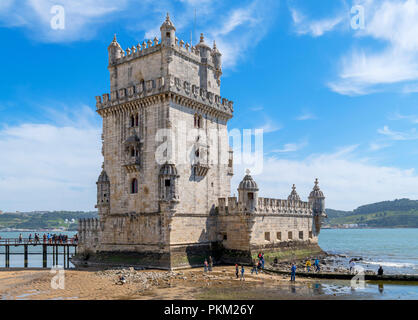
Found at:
<point>316,192</point>
<point>215,49</point>
<point>293,195</point>
<point>202,42</point>
<point>248,183</point>
<point>168,169</point>
<point>114,43</point>
<point>167,24</point>
<point>103,177</point>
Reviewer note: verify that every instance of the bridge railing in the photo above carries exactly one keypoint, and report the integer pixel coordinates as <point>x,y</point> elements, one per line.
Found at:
<point>17,241</point>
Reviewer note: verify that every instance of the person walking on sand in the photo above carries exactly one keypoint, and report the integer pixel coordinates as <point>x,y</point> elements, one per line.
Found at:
<point>237,271</point>
<point>317,268</point>
<point>206,266</point>
<point>308,265</point>
<point>293,272</point>
<point>242,273</point>
<point>254,269</point>
<point>380,271</point>
<point>210,263</point>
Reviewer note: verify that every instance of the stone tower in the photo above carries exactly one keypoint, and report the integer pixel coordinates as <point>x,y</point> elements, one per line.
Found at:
<point>165,149</point>
<point>163,195</point>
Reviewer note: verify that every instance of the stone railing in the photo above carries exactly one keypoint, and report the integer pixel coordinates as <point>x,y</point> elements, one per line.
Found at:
<point>139,50</point>
<point>149,47</point>
<point>164,84</point>
<point>266,205</point>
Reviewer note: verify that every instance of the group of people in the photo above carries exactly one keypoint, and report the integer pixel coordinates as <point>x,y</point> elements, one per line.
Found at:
<point>308,266</point>
<point>258,266</point>
<point>237,269</point>
<point>316,265</point>
<point>50,238</point>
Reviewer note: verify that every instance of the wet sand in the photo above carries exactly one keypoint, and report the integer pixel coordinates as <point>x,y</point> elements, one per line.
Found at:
<point>190,284</point>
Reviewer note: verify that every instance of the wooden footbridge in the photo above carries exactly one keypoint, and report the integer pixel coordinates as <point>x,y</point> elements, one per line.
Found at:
<point>56,249</point>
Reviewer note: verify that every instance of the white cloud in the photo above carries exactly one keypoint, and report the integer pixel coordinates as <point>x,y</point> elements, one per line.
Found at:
<point>306,116</point>
<point>50,167</point>
<point>269,126</point>
<point>374,146</point>
<point>397,135</point>
<point>82,18</point>
<point>291,147</point>
<point>315,28</point>
<point>411,118</point>
<point>363,71</point>
<point>346,181</point>
<point>241,29</point>
<point>236,28</point>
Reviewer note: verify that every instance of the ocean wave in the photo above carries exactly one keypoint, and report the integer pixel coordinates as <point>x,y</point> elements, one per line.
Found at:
<point>391,264</point>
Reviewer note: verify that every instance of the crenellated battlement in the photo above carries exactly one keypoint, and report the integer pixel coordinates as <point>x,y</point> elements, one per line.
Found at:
<point>180,47</point>
<point>231,205</point>
<point>165,84</point>
<point>89,224</point>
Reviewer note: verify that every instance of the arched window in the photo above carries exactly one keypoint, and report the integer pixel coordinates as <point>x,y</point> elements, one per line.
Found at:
<point>134,186</point>
<point>198,121</point>
<point>132,121</point>
<point>136,120</point>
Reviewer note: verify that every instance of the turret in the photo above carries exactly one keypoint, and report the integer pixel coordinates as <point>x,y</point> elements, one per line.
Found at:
<point>115,51</point>
<point>317,200</point>
<point>293,197</point>
<point>103,194</point>
<point>203,48</point>
<point>168,183</point>
<point>168,32</point>
<point>217,58</point>
<point>248,192</point>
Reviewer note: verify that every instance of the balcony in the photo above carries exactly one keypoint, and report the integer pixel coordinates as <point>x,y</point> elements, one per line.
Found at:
<point>132,164</point>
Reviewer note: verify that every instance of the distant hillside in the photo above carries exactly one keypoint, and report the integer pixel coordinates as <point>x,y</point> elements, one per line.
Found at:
<point>44,220</point>
<point>402,213</point>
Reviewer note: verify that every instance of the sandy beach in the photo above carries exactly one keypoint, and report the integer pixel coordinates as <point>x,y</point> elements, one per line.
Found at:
<point>189,284</point>
<point>186,284</point>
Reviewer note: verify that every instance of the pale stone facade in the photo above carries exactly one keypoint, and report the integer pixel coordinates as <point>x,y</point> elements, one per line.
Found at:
<point>175,212</point>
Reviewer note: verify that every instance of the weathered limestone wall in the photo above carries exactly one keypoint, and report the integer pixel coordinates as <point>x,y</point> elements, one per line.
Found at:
<point>190,229</point>
<point>199,194</point>
<point>133,71</point>
<point>132,232</point>
<point>88,234</point>
<point>271,229</point>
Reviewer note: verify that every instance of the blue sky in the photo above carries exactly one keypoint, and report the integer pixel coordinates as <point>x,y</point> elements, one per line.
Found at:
<point>335,102</point>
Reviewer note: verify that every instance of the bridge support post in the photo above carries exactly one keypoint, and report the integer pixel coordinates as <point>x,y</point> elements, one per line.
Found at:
<point>26,255</point>
<point>44,255</point>
<point>68,256</point>
<point>7,257</point>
